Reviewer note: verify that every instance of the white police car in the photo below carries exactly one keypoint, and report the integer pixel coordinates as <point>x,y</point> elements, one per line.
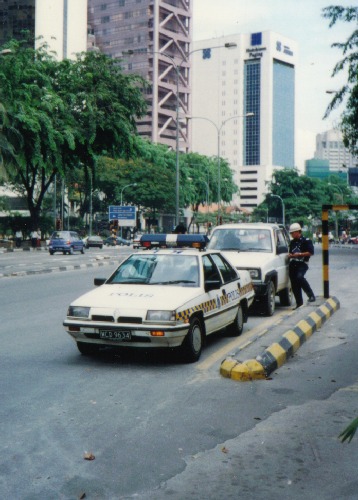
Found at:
<point>172,297</point>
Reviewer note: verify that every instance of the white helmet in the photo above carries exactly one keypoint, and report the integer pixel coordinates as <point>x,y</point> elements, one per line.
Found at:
<point>295,227</point>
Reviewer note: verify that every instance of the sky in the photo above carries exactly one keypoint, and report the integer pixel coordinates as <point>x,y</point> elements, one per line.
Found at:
<point>302,21</point>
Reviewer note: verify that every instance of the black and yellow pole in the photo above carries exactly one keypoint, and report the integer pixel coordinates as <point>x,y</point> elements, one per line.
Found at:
<point>325,254</point>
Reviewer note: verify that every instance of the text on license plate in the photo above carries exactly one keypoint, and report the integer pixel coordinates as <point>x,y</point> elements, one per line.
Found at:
<point>115,335</point>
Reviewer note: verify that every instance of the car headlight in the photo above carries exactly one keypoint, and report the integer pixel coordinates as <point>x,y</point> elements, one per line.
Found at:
<point>255,274</point>
<point>78,312</point>
<point>160,315</point>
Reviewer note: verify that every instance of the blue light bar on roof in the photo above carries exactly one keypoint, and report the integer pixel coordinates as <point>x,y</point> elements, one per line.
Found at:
<point>174,241</point>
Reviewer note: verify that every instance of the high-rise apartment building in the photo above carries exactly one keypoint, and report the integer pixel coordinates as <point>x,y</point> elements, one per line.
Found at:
<point>151,38</point>
<point>62,24</point>
<point>257,77</point>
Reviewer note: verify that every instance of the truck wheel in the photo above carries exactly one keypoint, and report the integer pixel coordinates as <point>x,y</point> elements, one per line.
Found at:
<point>269,300</point>
<point>193,342</point>
<point>235,329</point>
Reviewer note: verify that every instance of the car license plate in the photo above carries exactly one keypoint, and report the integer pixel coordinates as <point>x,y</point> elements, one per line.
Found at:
<point>115,335</point>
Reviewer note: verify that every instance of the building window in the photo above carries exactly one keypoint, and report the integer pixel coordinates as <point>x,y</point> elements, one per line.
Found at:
<point>121,3</point>
<point>252,83</point>
<point>256,39</point>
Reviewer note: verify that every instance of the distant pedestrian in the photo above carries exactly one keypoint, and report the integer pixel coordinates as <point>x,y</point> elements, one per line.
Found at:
<point>34,237</point>
<point>38,243</point>
<point>300,251</point>
<point>18,238</point>
<point>179,229</point>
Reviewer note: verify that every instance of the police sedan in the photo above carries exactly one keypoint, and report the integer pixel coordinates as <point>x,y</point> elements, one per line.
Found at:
<point>168,295</point>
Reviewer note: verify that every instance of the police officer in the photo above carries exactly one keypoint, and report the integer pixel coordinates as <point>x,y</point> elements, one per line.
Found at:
<point>300,251</point>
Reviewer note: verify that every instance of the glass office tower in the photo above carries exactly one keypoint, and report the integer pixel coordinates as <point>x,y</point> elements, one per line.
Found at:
<point>257,77</point>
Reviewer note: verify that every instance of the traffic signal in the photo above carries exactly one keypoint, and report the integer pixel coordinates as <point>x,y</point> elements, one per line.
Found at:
<point>58,224</point>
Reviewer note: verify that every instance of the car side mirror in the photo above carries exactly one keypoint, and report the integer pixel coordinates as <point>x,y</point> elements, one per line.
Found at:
<point>99,281</point>
<point>212,285</point>
<point>282,249</point>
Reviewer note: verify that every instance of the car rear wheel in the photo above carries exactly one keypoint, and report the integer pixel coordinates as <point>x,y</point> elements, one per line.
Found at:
<point>193,343</point>
<point>87,349</point>
<point>269,300</point>
<point>235,329</point>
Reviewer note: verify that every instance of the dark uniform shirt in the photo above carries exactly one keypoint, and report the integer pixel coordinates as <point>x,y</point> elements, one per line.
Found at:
<point>300,246</point>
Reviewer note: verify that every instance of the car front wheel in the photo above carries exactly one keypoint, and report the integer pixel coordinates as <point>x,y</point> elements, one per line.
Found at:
<point>193,343</point>
<point>269,300</point>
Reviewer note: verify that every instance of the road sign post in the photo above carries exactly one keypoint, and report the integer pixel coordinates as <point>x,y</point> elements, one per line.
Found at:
<point>126,215</point>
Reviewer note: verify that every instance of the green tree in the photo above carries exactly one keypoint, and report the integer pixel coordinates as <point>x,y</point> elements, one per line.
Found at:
<point>61,116</point>
<point>303,196</point>
<point>349,91</point>
<point>200,183</point>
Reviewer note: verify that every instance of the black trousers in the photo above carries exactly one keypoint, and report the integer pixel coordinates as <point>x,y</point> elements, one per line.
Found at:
<point>297,271</point>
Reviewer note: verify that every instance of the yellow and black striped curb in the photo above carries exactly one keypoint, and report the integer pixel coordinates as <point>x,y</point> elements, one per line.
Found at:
<point>278,353</point>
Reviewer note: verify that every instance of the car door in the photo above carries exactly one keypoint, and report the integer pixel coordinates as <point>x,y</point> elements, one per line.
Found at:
<point>230,288</point>
<point>221,311</point>
<point>75,241</point>
<point>282,260</point>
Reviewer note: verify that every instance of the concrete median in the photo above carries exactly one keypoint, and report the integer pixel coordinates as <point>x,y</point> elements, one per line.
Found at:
<point>279,352</point>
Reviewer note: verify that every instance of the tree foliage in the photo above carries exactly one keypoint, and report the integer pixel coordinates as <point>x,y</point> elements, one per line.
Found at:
<point>349,62</point>
<point>59,116</point>
<point>152,167</point>
<point>302,196</point>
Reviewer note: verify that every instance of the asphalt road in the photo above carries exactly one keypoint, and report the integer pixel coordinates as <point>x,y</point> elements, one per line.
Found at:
<point>161,429</point>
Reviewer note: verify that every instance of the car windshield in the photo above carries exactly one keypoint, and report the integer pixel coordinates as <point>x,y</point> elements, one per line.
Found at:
<point>59,235</point>
<point>175,270</point>
<point>241,240</point>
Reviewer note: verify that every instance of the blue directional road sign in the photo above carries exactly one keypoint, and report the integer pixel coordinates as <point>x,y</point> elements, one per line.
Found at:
<point>126,215</point>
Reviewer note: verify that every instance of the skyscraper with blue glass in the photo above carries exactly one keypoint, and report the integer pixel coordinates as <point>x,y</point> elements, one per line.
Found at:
<point>248,92</point>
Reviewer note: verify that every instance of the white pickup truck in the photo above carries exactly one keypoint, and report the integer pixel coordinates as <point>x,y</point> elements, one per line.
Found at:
<point>261,249</point>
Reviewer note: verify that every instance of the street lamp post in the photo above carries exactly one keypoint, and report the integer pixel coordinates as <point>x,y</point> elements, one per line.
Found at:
<point>177,67</point>
<point>126,186</point>
<point>283,206</point>
<point>218,131</point>
<point>342,201</point>
<point>339,189</point>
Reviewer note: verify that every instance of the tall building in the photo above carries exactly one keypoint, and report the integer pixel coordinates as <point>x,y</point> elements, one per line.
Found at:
<point>151,38</point>
<point>62,24</point>
<point>257,77</point>
<point>329,146</point>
